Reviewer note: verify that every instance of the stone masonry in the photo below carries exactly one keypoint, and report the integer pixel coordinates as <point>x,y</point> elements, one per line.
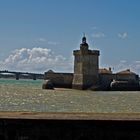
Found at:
<point>87,74</point>
<point>86,66</point>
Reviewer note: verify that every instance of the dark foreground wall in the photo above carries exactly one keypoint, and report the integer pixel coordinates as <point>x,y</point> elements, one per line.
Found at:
<point>19,129</point>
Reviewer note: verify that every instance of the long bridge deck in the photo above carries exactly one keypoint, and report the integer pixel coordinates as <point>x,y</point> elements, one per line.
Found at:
<point>33,76</point>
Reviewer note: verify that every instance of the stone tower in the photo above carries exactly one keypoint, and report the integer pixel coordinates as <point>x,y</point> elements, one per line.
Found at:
<point>86,66</point>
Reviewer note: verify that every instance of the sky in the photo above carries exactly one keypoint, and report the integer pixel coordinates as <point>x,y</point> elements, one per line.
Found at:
<point>39,35</point>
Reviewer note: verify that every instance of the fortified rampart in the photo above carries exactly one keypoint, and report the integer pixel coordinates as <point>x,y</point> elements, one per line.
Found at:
<point>124,80</point>
<point>88,75</point>
<point>105,80</point>
<point>61,80</point>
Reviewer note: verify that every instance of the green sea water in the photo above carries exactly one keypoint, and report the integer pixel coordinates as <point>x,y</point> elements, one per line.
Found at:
<point>21,82</point>
<point>28,95</point>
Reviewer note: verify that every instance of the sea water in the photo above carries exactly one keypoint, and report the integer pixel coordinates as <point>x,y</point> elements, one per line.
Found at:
<point>28,95</point>
<point>21,82</point>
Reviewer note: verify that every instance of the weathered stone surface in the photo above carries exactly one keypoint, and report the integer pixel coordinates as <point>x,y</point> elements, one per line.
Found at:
<point>86,66</point>
<point>60,80</point>
<point>124,86</point>
<point>47,84</point>
<point>87,74</point>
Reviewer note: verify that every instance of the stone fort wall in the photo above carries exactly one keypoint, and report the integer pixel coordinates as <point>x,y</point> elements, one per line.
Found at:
<point>60,80</point>
<point>106,79</point>
<point>64,80</point>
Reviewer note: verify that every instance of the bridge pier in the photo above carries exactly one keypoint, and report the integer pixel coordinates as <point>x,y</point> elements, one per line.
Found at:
<point>24,75</point>
<point>17,76</point>
<point>34,77</point>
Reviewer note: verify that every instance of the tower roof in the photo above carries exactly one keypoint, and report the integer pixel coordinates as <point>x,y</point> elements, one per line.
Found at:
<point>84,42</point>
<point>126,72</point>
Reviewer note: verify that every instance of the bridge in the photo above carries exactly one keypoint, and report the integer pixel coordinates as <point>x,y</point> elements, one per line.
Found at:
<point>18,75</point>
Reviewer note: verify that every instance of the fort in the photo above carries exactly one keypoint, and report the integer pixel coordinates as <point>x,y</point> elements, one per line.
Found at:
<point>88,75</point>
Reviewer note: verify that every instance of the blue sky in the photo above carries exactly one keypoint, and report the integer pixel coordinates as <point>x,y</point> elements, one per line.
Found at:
<point>33,29</point>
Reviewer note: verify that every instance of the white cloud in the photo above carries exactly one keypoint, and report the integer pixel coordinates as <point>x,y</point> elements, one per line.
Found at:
<point>98,35</point>
<point>42,40</point>
<point>136,66</point>
<point>123,35</point>
<point>137,62</point>
<point>123,61</point>
<point>35,60</point>
<point>124,64</point>
<point>94,28</point>
<point>52,43</point>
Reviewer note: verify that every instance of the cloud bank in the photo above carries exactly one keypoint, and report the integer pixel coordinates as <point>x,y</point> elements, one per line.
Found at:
<point>43,59</point>
<point>124,64</point>
<point>123,35</point>
<point>35,60</point>
<point>98,35</point>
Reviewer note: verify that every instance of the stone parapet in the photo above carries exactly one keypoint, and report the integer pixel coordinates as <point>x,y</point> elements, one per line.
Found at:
<point>88,52</point>
<point>60,80</point>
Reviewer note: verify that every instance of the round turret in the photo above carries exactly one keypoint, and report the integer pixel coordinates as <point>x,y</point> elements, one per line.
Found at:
<point>84,44</point>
